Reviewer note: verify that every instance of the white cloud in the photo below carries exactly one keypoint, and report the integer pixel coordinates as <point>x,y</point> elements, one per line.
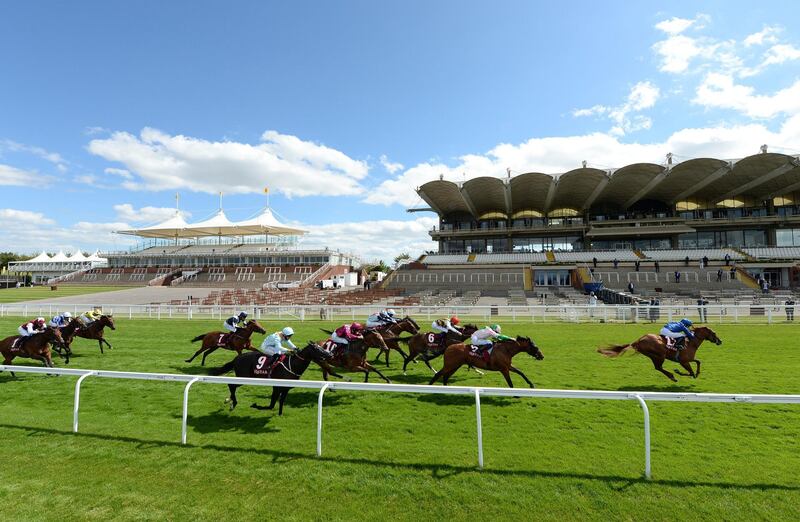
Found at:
<point>678,50</point>
<point>283,163</point>
<point>765,36</point>
<point>675,25</point>
<point>24,217</point>
<point>556,155</point>
<point>642,96</point>
<point>126,212</point>
<point>721,91</point>
<point>13,176</point>
<point>780,53</point>
<point>372,240</point>
<point>391,167</point>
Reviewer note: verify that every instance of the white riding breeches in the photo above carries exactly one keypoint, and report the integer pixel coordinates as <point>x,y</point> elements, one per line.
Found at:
<point>672,335</point>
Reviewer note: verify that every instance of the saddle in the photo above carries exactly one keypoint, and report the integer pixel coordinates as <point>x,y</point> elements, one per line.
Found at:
<point>486,354</point>
<point>673,354</point>
<point>16,345</point>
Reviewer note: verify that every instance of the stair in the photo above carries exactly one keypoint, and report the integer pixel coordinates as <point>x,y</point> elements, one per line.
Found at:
<point>747,256</point>
<point>551,257</point>
<point>471,258</point>
<point>639,253</point>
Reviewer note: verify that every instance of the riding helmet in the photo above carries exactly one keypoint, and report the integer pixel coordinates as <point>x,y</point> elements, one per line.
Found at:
<point>287,332</point>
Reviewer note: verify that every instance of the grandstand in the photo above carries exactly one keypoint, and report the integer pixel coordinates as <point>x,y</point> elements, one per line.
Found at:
<point>547,236</point>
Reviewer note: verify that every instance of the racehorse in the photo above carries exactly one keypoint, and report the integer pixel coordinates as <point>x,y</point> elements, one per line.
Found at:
<point>655,347</point>
<point>36,346</point>
<point>93,331</point>
<point>390,334</point>
<point>353,357</point>
<point>232,341</point>
<point>424,345</point>
<point>255,364</point>
<point>67,335</point>
<point>456,355</point>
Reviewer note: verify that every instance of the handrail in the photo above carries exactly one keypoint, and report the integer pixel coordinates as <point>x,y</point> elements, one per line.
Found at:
<point>639,396</point>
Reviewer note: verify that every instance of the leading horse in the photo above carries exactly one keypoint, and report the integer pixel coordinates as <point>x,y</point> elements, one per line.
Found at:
<point>256,364</point>
<point>230,341</point>
<point>457,355</point>
<point>36,346</point>
<point>93,331</point>
<point>655,347</point>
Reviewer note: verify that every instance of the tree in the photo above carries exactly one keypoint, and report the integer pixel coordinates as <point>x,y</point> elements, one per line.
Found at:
<point>7,257</point>
<point>401,259</point>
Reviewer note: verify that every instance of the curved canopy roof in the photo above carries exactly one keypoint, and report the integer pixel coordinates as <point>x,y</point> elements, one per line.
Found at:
<point>708,179</point>
<point>217,225</point>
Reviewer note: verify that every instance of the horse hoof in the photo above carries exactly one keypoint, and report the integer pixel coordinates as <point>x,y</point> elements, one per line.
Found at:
<point>227,400</point>
<point>348,379</point>
<point>404,373</point>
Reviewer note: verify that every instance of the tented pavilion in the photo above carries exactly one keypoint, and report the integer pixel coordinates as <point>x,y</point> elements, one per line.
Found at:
<point>218,226</point>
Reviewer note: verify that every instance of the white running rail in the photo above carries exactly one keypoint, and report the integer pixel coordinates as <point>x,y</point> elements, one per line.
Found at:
<point>639,396</point>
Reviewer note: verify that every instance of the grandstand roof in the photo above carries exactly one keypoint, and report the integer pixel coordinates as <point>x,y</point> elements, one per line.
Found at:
<point>218,225</point>
<point>713,180</point>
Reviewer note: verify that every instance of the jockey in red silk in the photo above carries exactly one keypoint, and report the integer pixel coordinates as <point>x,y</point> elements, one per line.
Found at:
<point>348,332</point>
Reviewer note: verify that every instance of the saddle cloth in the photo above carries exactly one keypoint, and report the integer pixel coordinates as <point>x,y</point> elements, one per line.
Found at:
<point>332,347</point>
<point>475,352</point>
<point>222,340</point>
<point>672,353</point>
<point>264,368</point>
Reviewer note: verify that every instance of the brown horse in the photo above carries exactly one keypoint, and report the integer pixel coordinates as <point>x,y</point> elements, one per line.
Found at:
<point>424,346</point>
<point>93,331</point>
<point>234,341</point>
<point>655,347</point>
<point>390,334</point>
<point>36,346</point>
<point>353,357</point>
<point>459,354</point>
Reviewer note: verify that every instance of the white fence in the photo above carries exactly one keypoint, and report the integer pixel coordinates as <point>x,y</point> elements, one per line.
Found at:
<point>476,392</point>
<point>767,311</point>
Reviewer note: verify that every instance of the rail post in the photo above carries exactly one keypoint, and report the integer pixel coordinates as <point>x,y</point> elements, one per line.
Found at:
<point>78,401</point>
<point>186,408</point>
<point>643,404</point>
<point>319,418</point>
<point>480,427</point>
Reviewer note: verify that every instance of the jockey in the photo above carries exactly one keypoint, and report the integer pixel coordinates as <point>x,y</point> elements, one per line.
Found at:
<point>88,317</point>
<point>273,344</point>
<point>446,325</point>
<point>678,330</point>
<point>380,319</point>
<point>348,332</point>
<point>234,322</point>
<point>61,320</point>
<point>487,336</point>
<point>30,328</point>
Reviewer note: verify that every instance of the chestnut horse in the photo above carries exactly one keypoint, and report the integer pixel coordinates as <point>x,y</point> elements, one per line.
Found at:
<point>390,334</point>
<point>235,341</point>
<point>459,354</point>
<point>256,364</point>
<point>36,346</point>
<point>422,346</point>
<point>353,357</point>
<point>93,331</point>
<point>655,348</point>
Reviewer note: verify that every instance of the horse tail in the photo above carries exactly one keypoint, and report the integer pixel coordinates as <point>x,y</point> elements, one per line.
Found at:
<point>614,351</point>
<point>224,369</point>
<point>329,332</point>
<point>198,338</point>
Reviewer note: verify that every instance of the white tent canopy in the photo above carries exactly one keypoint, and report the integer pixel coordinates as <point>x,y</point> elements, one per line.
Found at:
<point>41,258</point>
<point>217,225</point>
<point>60,257</point>
<point>77,256</point>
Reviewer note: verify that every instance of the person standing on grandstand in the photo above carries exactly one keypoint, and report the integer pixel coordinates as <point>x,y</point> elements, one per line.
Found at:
<point>273,344</point>
<point>61,320</point>
<point>90,316</point>
<point>348,332</point>
<point>678,330</point>
<point>789,307</point>
<point>380,319</point>
<point>485,338</point>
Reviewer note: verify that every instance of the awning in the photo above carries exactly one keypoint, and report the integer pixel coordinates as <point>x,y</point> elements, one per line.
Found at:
<point>660,230</point>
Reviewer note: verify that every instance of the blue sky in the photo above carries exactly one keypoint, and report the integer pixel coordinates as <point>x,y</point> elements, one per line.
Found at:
<point>342,108</point>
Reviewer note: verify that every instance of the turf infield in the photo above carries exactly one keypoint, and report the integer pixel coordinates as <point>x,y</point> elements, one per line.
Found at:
<point>405,457</point>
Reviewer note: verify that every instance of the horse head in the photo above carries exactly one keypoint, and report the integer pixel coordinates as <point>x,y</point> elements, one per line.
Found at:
<point>530,347</point>
<point>108,320</point>
<point>54,335</point>
<point>253,326</point>
<point>413,323</point>
<point>469,329</point>
<point>707,334</point>
<point>315,352</point>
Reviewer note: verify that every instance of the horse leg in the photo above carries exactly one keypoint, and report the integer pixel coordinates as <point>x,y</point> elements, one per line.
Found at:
<point>284,393</point>
<point>428,364</point>
<point>436,376</point>
<point>697,372</point>
<point>507,376</point>
<point>658,364</point>
<point>198,352</point>
<point>407,360</point>
<point>203,360</point>
<point>518,372</point>
<point>107,343</point>
<point>100,344</point>
<point>232,398</point>
<point>688,368</point>
<point>447,375</point>
<point>371,368</point>
<point>7,361</point>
